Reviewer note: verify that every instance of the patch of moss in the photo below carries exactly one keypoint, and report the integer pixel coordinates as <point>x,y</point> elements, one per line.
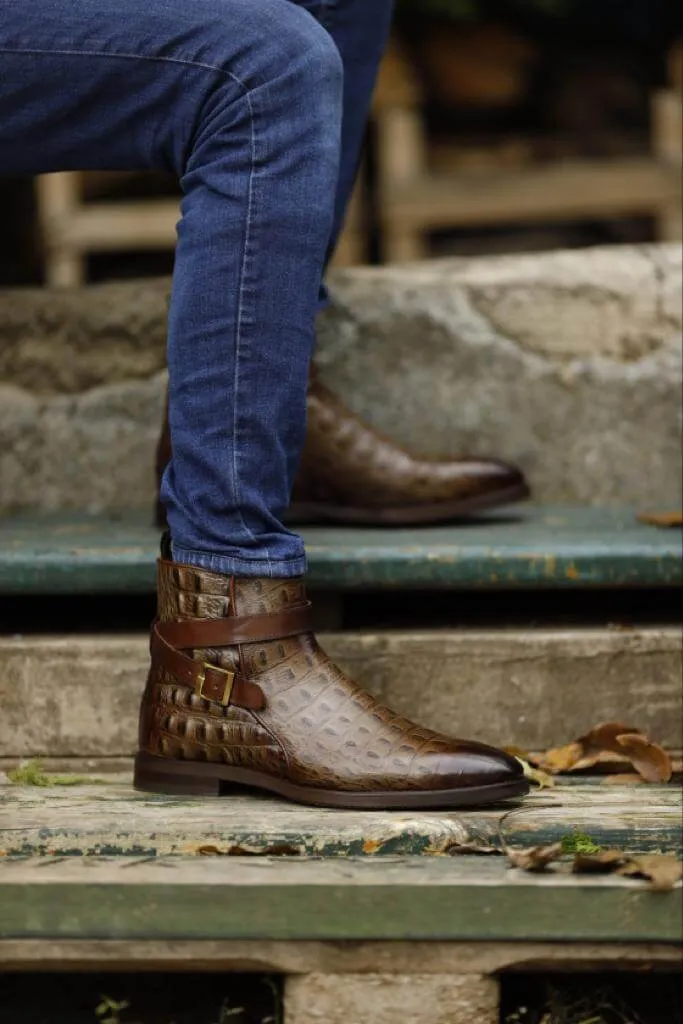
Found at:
<point>32,774</point>
<point>579,842</point>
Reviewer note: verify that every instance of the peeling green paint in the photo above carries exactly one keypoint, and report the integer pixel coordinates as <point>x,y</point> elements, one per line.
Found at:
<point>532,546</point>
<point>54,822</point>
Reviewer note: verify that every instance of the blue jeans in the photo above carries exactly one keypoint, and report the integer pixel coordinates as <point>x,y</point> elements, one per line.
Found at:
<point>258,107</point>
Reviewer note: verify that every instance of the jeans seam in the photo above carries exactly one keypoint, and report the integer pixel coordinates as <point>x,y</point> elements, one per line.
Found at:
<point>127,56</point>
<point>238,334</point>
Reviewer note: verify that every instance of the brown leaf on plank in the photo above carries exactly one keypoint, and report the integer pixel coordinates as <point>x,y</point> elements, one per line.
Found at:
<point>560,759</point>
<point>605,737</point>
<point>666,519</point>
<point>663,870</point>
<point>586,751</point>
<point>609,747</point>
<point>537,858</point>
<point>604,862</point>
<point>624,779</point>
<point>649,759</point>
<point>605,761</point>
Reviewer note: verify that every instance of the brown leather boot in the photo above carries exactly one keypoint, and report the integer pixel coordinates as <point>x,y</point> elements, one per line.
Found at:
<point>239,692</point>
<point>350,473</point>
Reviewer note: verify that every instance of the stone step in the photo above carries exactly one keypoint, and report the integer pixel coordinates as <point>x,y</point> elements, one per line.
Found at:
<point>567,363</point>
<point>420,939</point>
<point>534,546</point>
<point>381,912</point>
<point>77,696</point>
<point>299,899</point>
<point>109,818</point>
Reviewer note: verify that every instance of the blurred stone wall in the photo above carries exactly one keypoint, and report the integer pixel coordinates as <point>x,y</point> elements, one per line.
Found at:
<point>568,363</point>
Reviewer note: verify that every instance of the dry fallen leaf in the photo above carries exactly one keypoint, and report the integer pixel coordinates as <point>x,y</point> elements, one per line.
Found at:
<point>588,750</point>
<point>625,779</point>
<point>605,737</point>
<point>603,761</point>
<point>649,759</point>
<point>663,870</point>
<point>536,858</point>
<point>609,747</point>
<point>560,759</point>
<point>598,863</point>
<point>661,518</point>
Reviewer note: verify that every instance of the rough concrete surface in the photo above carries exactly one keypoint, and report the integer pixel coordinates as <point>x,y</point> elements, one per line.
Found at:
<point>284,957</point>
<point>568,363</point>
<point>79,696</point>
<point>390,999</point>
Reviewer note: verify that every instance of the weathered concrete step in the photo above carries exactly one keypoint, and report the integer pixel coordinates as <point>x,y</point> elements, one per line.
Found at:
<point>78,696</point>
<point>111,819</point>
<point>525,547</point>
<point>248,899</point>
<point>567,363</point>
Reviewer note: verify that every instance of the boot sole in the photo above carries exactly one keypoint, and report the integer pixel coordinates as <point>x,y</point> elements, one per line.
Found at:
<point>404,515</point>
<point>185,778</point>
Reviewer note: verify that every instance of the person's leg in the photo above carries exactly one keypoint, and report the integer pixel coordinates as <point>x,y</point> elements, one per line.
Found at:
<point>359,30</point>
<point>242,100</point>
<point>349,473</point>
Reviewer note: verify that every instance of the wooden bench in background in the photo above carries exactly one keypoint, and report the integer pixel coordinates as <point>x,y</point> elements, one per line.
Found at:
<point>418,189</point>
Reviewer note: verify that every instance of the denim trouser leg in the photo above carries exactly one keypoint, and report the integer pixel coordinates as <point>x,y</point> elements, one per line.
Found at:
<point>241,99</point>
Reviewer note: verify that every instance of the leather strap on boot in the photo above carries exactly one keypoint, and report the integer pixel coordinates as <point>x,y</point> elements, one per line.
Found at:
<point>210,682</point>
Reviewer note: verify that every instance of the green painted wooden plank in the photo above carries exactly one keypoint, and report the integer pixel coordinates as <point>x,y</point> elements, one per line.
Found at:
<point>532,547</point>
<point>111,819</point>
<point>410,898</point>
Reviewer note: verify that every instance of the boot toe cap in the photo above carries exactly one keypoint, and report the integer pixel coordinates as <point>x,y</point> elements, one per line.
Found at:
<point>493,475</point>
<point>472,764</point>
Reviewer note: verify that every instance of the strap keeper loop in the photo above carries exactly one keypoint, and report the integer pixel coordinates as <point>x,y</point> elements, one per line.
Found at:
<point>228,682</point>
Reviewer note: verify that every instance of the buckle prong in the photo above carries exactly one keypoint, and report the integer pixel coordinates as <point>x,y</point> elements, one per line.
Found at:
<point>224,699</point>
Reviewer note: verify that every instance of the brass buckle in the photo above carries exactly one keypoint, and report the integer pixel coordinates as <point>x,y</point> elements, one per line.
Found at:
<point>227,689</point>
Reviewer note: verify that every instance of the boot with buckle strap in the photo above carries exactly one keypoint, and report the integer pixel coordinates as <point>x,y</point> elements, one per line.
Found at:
<point>240,695</point>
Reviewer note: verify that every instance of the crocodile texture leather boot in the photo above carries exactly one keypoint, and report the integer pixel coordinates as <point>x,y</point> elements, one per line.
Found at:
<point>240,694</point>
<point>350,473</point>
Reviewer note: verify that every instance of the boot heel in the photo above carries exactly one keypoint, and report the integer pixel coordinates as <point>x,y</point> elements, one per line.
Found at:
<point>175,778</point>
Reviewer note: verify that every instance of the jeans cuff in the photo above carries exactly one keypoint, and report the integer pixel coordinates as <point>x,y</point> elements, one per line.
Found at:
<point>228,565</point>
